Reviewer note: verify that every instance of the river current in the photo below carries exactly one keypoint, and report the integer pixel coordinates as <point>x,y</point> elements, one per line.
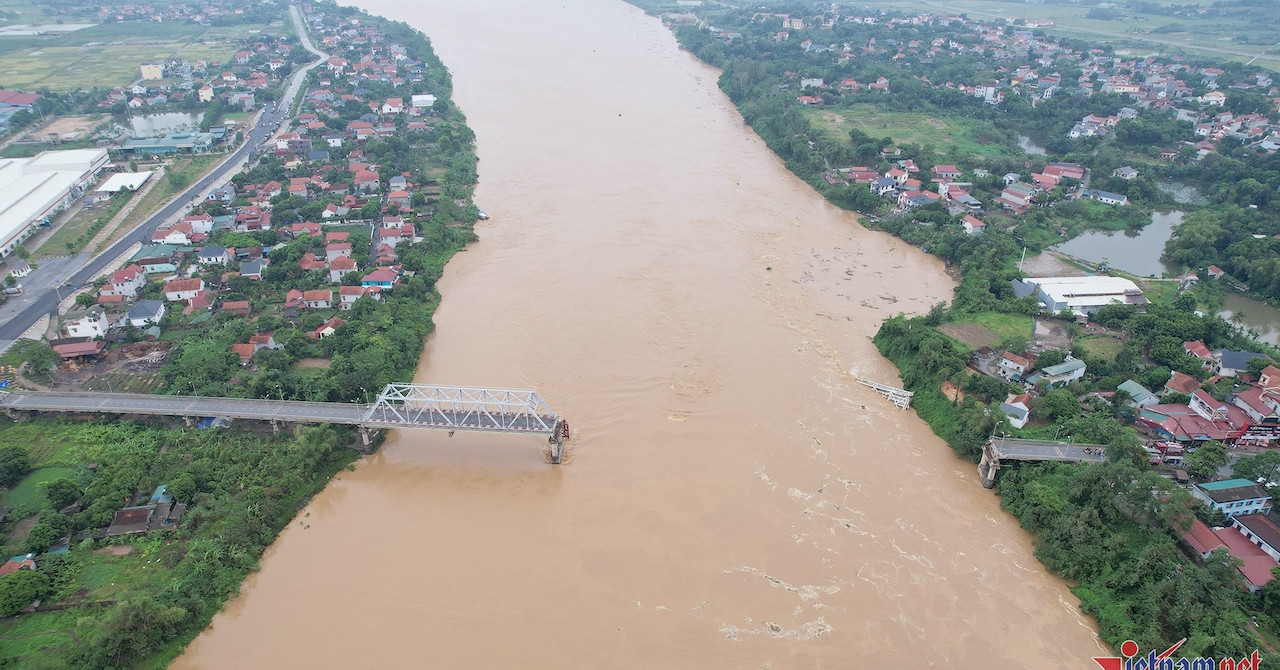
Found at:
<point>732,497</point>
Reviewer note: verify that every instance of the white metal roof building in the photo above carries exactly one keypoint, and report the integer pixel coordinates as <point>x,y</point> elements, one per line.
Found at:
<point>124,180</point>
<point>34,189</point>
<point>1084,295</point>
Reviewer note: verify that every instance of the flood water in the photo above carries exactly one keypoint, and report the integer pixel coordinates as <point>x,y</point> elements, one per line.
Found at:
<point>1261,319</point>
<point>1031,146</point>
<point>163,124</point>
<point>1138,254</point>
<point>732,497</point>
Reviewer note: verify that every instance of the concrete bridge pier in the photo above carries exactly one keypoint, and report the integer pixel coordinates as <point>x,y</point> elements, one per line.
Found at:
<point>367,436</point>
<point>556,440</point>
<point>188,421</point>
<point>275,427</point>
<point>988,466</point>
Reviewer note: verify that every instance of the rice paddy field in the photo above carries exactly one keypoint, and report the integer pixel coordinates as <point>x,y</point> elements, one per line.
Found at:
<point>109,54</point>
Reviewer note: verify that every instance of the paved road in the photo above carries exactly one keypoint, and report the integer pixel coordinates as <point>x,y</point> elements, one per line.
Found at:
<point>42,300</point>
<point>274,410</point>
<point>1035,450</point>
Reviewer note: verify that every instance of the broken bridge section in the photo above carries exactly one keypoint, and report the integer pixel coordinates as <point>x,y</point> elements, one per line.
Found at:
<point>460,408</point>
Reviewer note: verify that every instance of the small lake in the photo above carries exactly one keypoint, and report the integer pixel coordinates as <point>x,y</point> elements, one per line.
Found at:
<point>1030,146</point>
<point>1134,253</point>
<point>1255,316</point>
<point>163,124</point>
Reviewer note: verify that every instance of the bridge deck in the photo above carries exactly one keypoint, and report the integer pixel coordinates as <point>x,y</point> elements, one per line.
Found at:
<point>367,415</point>
<point>1037,450</point>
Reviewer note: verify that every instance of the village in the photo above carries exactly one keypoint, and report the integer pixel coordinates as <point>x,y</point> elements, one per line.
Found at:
<point>315,226</point>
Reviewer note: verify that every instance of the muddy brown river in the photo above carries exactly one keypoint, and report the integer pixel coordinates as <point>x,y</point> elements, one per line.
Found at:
<point>732,497</point>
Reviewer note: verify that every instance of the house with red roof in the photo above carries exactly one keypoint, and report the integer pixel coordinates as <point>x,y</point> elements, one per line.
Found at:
<point>340,266</point>
<point>972,224</point>
<point>182,289</point>
<point>327,328</point>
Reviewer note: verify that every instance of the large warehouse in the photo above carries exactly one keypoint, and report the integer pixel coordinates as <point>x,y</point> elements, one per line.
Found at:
<point>1082,295</point>
<point>33,190</point>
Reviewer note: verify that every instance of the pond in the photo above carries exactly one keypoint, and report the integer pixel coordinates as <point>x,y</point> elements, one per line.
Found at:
<point>1031,146</point>
<point>163,124</point>
<point>1136,253</point>
<point>1183,193</point>
<point>1260,320</point>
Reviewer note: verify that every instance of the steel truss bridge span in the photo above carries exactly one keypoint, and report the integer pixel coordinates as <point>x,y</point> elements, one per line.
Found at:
<point>448,408</point>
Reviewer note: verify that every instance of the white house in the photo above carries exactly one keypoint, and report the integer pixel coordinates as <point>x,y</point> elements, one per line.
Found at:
<point>1261,531</point>
<point>182,289</point>
<point>1063,373</point>
<point>1012,365</point>
<point>1017,407</point>
<point>91,323</point>
<point>126,282</point>
<point>145,313</point>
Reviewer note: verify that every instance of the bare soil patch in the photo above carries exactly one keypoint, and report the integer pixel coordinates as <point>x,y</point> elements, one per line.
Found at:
<point>952,392</point>
<point>67,128</point>
<point>1051,334</point>
<point>115,550</point>
<point>1048,264</point>
<point>319,363</point>
<point>975,335</point>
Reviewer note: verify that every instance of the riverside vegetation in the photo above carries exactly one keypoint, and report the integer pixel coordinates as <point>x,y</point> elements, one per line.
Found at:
<point>137,602</point>
<point>1111,529</point>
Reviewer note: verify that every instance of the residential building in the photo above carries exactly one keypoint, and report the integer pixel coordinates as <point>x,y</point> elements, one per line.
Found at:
<point>1232,363</point>
<point>91,323</point>
<point>1013,366</point>
<point>1139,396</point>
<point>182,289</point>
<point>1234,497</point>
<point>1260,530</point>
<point>1061,374</point>
<point>1017,408</point>
<point>145,313</point>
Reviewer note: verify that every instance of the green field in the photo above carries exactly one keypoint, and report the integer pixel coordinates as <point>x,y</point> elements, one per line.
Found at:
<point>969,137</point>
<point>1232,32</point>
<point>27,492</point>
<point>109,54</point>
<point>1100,346</point>
<point>1003,325</point>
<point>72,236</point>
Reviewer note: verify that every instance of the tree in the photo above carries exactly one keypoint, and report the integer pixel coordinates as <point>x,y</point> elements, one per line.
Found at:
<point>39,357</point>
<point>85,299</point>
<point>1264,466</point>
<point>1049,358</point>
<point>14,464</point>
<point>19,590</point>
<point>135,629</point>
<point>1207,459</point>
<point>182,487</point>
<point>1058,405</point>
<point>1256,364</point>
<point>61,492</point>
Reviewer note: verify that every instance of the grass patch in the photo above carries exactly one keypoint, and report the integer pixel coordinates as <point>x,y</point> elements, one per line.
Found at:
<point>39,634</point>
<point>1161,292</point>
<point>72,236</point>
<point>969,137</point>
<point>1100,345</point>
<point>1003,325</point>
<point>48,443</point>
<point>27,493</point>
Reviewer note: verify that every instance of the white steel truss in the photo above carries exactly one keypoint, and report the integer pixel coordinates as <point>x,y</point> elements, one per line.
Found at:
<point>459,408</point>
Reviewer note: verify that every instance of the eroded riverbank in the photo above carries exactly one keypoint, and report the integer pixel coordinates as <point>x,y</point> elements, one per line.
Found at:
<point>733,498</point>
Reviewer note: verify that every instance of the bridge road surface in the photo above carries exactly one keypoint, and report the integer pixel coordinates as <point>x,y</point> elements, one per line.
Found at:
<point>271,118</point>
<point>272,410</point>
<point>1018,450</point>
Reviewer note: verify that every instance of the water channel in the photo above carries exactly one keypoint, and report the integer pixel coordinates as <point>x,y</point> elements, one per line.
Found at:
<point>153,125</point>
<point>732,496</point>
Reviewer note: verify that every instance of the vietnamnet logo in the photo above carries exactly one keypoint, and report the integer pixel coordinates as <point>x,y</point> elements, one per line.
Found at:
<point>1162,661</point>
